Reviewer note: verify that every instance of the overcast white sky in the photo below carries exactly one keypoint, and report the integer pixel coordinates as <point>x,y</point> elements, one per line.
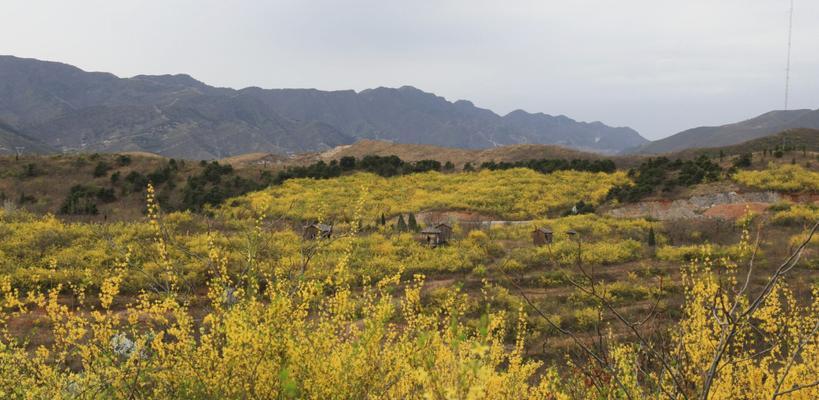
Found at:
<point>659,66</point>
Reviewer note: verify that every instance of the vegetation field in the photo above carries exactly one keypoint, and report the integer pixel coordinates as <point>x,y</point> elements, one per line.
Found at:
<point>213,290</point>
<point>507,194</point>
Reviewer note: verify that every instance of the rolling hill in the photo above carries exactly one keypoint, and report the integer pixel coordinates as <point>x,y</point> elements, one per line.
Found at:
<point>416,152</point>
<point>67,108</point>
<point>731,134</point>
<point>798,139</point>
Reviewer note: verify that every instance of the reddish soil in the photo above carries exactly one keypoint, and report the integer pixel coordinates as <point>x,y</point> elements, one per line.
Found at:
<point>803,197</point>
<point>734,211</point>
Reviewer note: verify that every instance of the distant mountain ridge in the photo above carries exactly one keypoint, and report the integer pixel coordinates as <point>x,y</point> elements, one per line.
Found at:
<point>409,115</point>
<point>731,134</point>
<point>65,108</point>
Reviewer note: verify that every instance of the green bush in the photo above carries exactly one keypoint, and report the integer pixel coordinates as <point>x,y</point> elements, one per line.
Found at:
<point>101,169</point>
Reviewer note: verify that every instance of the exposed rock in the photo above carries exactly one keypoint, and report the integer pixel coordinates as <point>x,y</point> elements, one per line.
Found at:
<point>696,206</point>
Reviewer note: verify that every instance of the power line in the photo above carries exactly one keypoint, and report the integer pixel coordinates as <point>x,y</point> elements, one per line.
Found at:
<point>788,63</point>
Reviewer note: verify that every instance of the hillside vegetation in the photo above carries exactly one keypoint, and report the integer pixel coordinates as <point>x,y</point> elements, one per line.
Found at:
<point>207,285</point>
<point>182,306</point>
<point>103,186</point>
<point>794,140</point>
<point>784,177</point>
<point>513,194</point>
<point>459,157</point>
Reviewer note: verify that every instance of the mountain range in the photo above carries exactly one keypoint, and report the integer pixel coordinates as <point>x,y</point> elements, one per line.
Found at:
<point>62,107</point>
<point>51,107</point>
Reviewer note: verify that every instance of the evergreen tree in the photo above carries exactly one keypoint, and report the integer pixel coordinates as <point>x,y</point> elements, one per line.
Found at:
<point>383,220</point>
<point>402,225</point>
<point>652,239</point>
<point>413,224</point>
<point>449,166</point>
<point>468,167</point>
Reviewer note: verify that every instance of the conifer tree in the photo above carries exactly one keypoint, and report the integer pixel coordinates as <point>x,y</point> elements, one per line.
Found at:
<point>383,220</point>
<point>402,225</point>
<point>413,224</point>
<point>652,239</point>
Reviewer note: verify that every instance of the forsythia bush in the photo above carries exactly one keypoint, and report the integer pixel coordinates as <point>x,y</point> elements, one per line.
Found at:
<point>260,327</point>
<point>776,353</point>
<point>786,177</point>
<point>796,214</point>
<point>602,240</point>
<point>516,194</point>
<point>262,335</point>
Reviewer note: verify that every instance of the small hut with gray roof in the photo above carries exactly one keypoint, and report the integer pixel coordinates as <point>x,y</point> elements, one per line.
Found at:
<point>541,236</point>
<point>436,235</point>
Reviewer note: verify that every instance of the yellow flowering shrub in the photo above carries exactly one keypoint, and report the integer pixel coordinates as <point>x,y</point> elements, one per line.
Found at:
<point>785,177</point>
<point>689,252</point>
<point>263,334</point>
<point>600,240</point>
<point>246,311</point>
<point>796,214</point>
<point>515,194</point>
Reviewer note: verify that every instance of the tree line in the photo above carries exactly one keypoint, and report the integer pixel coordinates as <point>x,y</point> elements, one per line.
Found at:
<point>663,174</point>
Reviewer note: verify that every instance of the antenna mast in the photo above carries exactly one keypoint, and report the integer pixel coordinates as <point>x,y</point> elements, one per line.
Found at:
<point>788,63</point>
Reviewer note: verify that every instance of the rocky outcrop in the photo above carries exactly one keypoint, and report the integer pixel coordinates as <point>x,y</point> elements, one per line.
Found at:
<point>697,206</point>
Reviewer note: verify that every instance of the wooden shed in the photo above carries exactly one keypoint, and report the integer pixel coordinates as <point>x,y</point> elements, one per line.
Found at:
<point>541,236</point>
<point>437,235</point>
<point>318,231</point>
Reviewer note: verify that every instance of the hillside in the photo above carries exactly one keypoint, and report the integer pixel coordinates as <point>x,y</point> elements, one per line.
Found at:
<point>103,187</point>
<point>797,139</point>
<point>178,116</point>
<point>731,134</point>
<point>11,140</point>
<point>417,152</point>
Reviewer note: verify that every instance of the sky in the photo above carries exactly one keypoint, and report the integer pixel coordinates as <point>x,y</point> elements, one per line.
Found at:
<point>658,66</point>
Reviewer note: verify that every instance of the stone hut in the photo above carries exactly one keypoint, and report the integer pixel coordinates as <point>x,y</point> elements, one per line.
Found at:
<point>541,236</point>
<point>318,231</point>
